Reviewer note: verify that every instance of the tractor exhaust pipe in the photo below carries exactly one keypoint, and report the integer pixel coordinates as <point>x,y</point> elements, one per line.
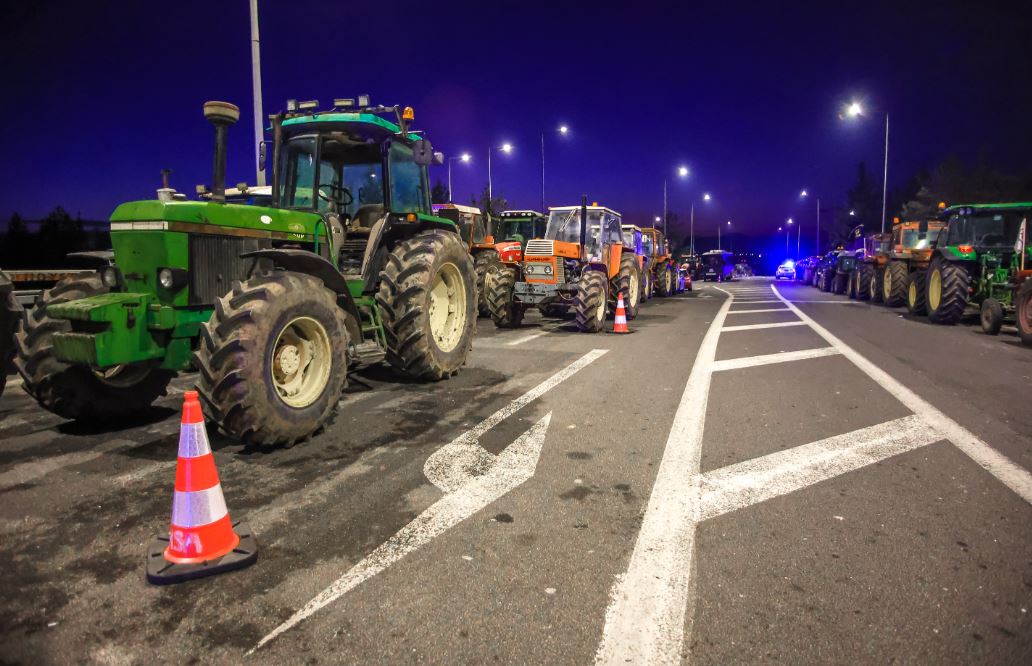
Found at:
<point>221,115</point>
<point>584,225</point>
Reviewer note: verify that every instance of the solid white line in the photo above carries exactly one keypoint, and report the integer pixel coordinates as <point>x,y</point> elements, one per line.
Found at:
<point>849,302</point>
<point>760,479</point>
<point>765,301</point>
<point>767,359</point>
<point>1014,477</point>
<point>536,334</point>
<point>759,310</point>
<point>753,327</point>
<point>648,604</point>
<point>515,465</point>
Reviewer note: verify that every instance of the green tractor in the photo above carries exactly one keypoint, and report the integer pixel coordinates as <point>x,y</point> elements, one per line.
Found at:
<point>972,262</point>
<point>273,304</point>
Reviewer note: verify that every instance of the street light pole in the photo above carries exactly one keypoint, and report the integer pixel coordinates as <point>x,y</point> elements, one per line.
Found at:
<point>885,180</point>
<point>542,171</point>
<point>692,244</point>
<point>256,85</point>
<point>490,193</point>
<point>664,206</point>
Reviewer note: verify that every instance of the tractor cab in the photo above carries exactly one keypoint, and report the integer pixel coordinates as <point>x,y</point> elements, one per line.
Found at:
<point>592,233</point>
<point>473,229</point>
<point>363,175</point>
<point>520,226</point>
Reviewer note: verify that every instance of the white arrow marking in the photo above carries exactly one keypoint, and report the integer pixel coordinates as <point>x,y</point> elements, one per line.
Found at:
<point>472,479</point>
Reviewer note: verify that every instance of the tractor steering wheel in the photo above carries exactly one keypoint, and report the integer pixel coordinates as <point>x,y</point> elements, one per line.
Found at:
<point>337,194</point>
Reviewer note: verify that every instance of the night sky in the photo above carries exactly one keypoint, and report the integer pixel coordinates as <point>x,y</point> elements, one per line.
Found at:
<point>100,96</point>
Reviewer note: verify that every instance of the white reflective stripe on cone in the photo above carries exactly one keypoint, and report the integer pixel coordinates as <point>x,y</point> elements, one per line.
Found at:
<point>620,319</point>
<point>198,508</point>
<point>193,440</point>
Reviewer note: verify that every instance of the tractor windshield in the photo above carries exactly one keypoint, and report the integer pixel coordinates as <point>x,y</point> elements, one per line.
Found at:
<point>564,225</point>
<point>349,176</point>
<point>515,227</point>
<point>986,228</point>
<point>915,240</point>
<point>646,245</point>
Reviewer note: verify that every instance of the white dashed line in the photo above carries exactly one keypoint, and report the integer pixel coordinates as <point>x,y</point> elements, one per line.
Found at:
<point>768,359</point>
<point>759,310</point>
<point>753,327</point>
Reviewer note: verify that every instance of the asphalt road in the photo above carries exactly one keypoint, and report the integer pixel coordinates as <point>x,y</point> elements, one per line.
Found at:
<point>755,473</point>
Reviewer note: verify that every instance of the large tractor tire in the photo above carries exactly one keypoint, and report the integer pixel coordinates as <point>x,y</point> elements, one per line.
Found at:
<point>894,285</point>
<point>665,281</point>
<point>273,359</point>
<point>991,316</point>
<point>946,291</point>
<point>627,281</point>
<point>877,293</point>
<point>11,313</point>
<point>591,301</point>
<point>485,261</point>
<point>76,391</point>
<point>505,311</point>
<point>864,275</point>
<point>427,299</point>
<point>1023,300</point>
<point>647,286</point>
<point>915,293</point>
<point>839,285</point>
<point>851,287</point>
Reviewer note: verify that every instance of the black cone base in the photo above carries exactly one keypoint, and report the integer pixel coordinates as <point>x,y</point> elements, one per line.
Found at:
<point>162,572</point>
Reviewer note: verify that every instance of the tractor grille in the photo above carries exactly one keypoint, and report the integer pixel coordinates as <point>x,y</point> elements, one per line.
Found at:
<point>540,248</point>
<point>560,270</point>
<point>215,263</point>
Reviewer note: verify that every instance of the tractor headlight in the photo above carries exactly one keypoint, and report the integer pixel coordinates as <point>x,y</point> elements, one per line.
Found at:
<point>110,277</point>
<point>548,270</point>
<point>171,278</point>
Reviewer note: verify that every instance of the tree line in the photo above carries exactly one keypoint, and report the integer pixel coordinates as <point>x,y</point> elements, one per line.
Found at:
<point>45,243</point>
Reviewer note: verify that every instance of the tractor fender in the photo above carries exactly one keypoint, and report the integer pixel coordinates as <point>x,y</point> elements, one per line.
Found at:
<point>309,263</point>
<point>98,258</point>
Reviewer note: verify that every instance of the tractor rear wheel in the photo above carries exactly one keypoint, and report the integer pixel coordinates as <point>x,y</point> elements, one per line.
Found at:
<point>505,311</point>
<point>839,286</point>
<point>991,316</point>
<point>591,301</point>
<point>646,282</point>
<point>894,287</point>
<point>865,273</point>
<point>273,359</point>
<point>484,262</point>
<point>427,297</point>
<point>876,285</point>
<point>946,291</point>
<point>1024,307</point>
<point>627,281</point>
<point>11,312</point>
<point>77,391</point>
<point>851,288</point>
<point>915,293</point>
<point>665,282</point>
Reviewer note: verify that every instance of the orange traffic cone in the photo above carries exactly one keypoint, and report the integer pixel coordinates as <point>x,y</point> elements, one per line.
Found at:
<point>201,540</point>
<point>620,319</point>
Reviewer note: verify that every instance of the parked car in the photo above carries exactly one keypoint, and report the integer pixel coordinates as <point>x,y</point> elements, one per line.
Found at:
<point>786,271</point>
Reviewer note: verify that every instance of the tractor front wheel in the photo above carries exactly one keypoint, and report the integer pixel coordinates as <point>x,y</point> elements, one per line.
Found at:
<point>485,262</point>
<point>77,391</point>
<point>915,293</point>
<point>946,291</point>
<point>505,311</point>
<point>863,282</point>
<point>894,288</point>
<point>11,313</point>
<point>427,297</point>
<point>875,290</point>
<point>839,286</point>
<point>590,304</point>
<point>991,316</point>
<point>1024,303</point>
<point>627,282</point>
<point>665,283</point>
<point>273,359</point>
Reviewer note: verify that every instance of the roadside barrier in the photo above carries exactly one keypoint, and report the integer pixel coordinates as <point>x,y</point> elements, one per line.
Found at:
<point>201,540</point>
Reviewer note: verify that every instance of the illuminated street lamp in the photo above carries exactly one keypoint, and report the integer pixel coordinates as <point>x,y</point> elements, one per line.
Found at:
<point>464,158</point>
<point>856,110</point>
<point>682,172</point>
<point>505,148</point>
<point>705,197</point>
<point>803,195</point>
<point>563,130</point>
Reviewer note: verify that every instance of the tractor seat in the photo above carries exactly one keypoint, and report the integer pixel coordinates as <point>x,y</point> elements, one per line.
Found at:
<point>366,216</point>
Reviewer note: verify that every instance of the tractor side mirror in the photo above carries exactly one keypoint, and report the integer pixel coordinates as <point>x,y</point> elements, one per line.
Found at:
<point>261,156</point>
<point>422,152</point>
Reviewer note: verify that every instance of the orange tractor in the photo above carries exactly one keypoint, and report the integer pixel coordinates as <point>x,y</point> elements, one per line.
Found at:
<point>661,274</point>
<point>474,229</point>
<point>581,265</point>
<point>901,278</point>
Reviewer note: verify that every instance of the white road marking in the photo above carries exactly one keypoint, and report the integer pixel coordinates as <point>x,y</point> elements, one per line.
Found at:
<point>1014,477</point>
<point>514,466</point>
<point>850,302</point>
<point>34,469</point>
<point>753,327</point>
<point>759,310</point>
<point>463,458</point>
<point>767,359</point>
<point>537,334</point>
<point>744,301</point>
<point>760,479</point>
<point>647,604</point>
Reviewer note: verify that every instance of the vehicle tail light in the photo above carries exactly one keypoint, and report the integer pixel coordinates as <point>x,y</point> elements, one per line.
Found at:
<point>966,249</point>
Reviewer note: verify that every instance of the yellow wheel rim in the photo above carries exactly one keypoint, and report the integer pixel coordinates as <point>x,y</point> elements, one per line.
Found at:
<point>912,295</point>
<point>301,360</point>
<point>887,285</point>
<point>934,289</point>
<point>447,308</point>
